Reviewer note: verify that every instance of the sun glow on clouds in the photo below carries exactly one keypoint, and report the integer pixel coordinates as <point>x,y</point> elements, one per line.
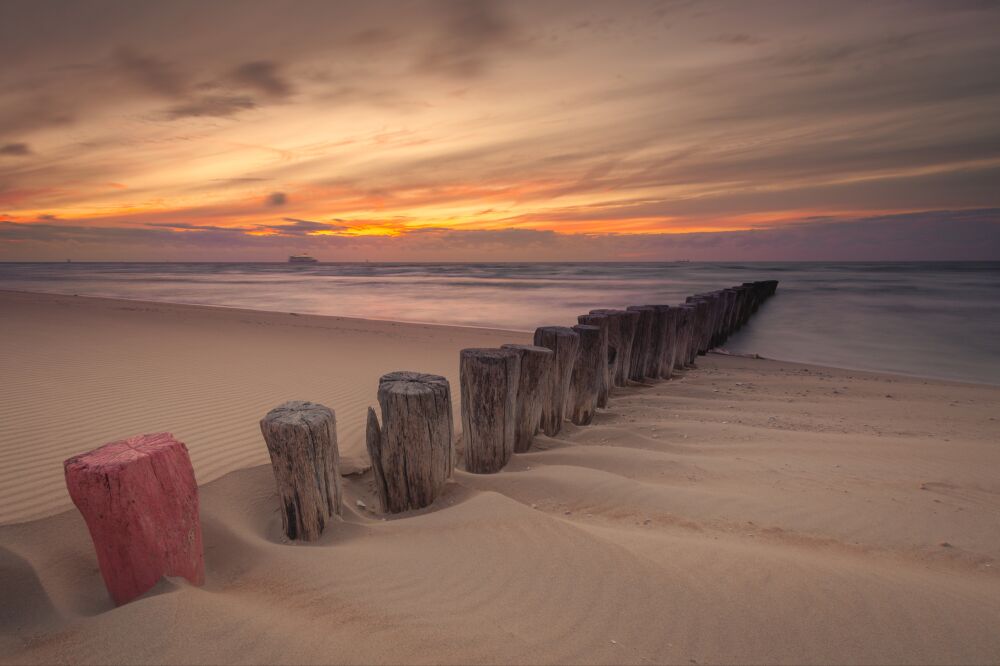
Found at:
<point>395,122</point>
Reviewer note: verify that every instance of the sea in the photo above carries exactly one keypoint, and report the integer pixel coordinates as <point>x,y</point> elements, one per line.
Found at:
<point>930,319</point>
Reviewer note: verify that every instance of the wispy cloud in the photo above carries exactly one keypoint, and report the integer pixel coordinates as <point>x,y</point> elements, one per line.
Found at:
<point>150,73</point>
<point>211,106</point>
<point>264,77</point>
<point>471,36</point>
<point>277,199</point>
<point>15,149</point>
<point>527,121</point>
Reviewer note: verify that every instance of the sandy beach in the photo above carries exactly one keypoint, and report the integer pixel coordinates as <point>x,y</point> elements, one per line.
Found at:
<point>747,511</point>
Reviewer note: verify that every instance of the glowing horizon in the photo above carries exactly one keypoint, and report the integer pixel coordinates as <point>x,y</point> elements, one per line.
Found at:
<point>459,130</point>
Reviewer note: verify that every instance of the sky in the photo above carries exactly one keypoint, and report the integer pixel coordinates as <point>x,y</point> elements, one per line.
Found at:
<point>499,131</point>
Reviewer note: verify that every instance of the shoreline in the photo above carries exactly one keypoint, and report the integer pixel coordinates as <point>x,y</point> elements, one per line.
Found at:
<point>251,311</point>
<point>491,329</point>
<point>363,340</point>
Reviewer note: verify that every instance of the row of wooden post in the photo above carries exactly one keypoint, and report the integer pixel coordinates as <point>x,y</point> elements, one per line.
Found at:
<point>140,500</point>
<point>510,393</point>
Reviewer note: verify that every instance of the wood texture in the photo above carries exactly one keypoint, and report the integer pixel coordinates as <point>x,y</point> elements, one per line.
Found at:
<point>489,379</point>
<point>657,341</point>
<point>685,335</point>
<point>302,440</point>
<point>586,378</point>
<point>616,376</point>
<point>669,359</point>
<point>603,322</point>
<point>629,328</point>
<point>704,324</point>
<point>642,343</point>
<point>139,499</point>
<point>533,389</point>
<point>662,352</point>
<point>564,343</point>
<point>412,453</point>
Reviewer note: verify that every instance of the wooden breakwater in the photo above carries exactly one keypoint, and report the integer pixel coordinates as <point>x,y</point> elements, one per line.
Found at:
<point>140,502</point>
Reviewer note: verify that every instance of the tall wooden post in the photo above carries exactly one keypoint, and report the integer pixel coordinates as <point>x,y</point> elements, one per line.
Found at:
<point>641,345</point>
<point>630,329</point>
<point>585,382</point>
<point>489,379</point>
<point>413,452</point>
<point>533,391</point>
<point>564,343</point>
<point>618,349</point>
<point>603,322</point>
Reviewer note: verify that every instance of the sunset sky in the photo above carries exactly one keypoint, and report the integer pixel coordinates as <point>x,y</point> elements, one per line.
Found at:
<point>499,131</point>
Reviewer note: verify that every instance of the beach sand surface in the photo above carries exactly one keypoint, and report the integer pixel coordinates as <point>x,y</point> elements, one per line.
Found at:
<point>747,511</point>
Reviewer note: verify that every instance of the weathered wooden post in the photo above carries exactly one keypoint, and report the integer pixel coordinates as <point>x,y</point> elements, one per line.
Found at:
<point>585,381</point>
<point>665,346</point>
<point>731,299</point>
<point>658,341</point>
<point>489,379</point>
<point>701,324</point>
<point>302,440</point>
<point>753,300</point>
<point>621,331</point>
<point>703,317</point>
<point>713,302</point>
<point>413,452</point>
<point>139,499</point>
<point>630,328</point>
<point>603,322</point>
<point>641,345</point>
<point>674,332</point>
<point>533,390</point>
<point>705,305</point>
<point>688,349</point>
<point>564,343</point>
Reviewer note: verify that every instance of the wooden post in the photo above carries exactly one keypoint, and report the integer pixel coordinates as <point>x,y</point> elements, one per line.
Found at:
<point>698,315</point>
<point>412,453</point>
<point>717,301</point>
<point>139,499</point>
<point>489,379</point>
<point>564,343</point>
<point>688,352</point>
<point>302,440</point>
<point>661,343</point>
<point>641,345</point>
<point>586,379</point>
<point>667,341</point>
<point>618,349</point>
<point>533,390</point>
<point>700,329</point>
<point>630,328</point>
<point>603,322</point>
<point>658,340</point>
<point>712,314</point>
<point>731,301</point>
<point>705,323</point>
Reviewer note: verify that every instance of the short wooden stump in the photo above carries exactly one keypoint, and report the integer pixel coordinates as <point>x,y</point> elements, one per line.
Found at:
<point>139,499</point>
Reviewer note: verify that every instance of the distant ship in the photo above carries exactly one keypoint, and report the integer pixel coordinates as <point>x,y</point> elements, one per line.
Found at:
<point>301,259</point>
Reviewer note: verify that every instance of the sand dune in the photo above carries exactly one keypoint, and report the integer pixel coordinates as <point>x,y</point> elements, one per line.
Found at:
<point>748,511</point>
